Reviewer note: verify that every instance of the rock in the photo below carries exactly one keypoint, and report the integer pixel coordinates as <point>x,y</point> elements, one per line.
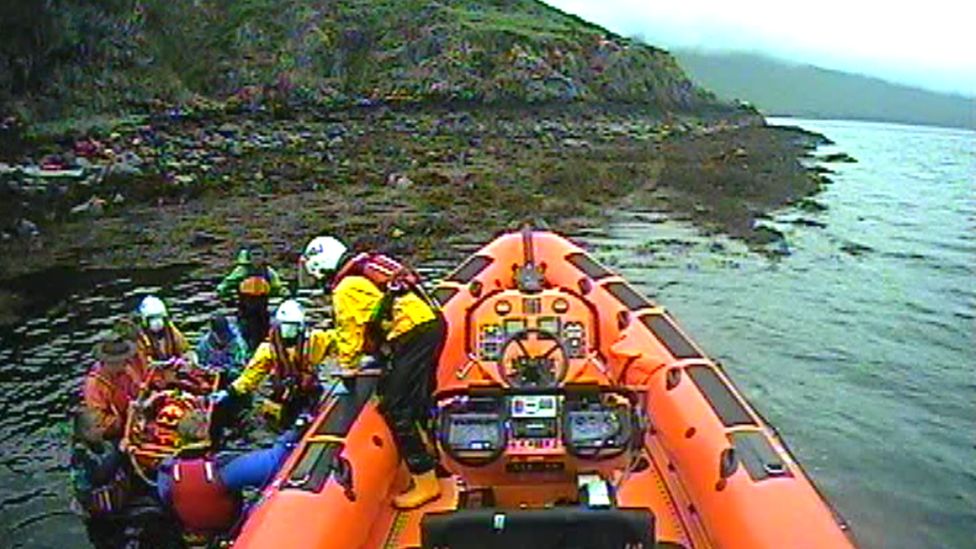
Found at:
<point>118,198</point>
<point>839,157</point>
<point>804,222</point>
<point>94,206</point>
<point>127,164</point>
<point>203,238</point>
<point>855,249</point>
<point>399,181</point>
<point>809,205</point>
<point>26,228</point>
<point>228,129</point>
<point>576,143</point>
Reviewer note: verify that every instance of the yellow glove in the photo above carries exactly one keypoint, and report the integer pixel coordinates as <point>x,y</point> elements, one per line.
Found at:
<point>271,410</point>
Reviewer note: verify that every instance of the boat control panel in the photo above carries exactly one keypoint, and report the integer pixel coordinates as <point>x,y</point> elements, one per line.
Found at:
<point>478,430</point>
<point>532,339</point>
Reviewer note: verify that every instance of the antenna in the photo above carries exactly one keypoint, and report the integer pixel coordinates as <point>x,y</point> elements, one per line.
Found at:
<point>528,277</point>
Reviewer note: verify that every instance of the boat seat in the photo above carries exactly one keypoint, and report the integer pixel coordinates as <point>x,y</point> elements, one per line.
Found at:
<point>560,527</point>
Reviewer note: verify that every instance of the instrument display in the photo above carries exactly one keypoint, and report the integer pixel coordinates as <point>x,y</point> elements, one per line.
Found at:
<point>533,406</point>
<point>492,338</point>
<point>592,428</point>
<point>514,326</point>
<point>549,324</point>
<point>474,432</point>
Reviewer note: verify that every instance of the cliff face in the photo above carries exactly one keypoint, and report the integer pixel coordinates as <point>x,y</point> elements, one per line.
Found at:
<point>79,57</point>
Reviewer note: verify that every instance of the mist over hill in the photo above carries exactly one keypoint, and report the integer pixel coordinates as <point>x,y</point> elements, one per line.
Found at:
<point>781,88</point>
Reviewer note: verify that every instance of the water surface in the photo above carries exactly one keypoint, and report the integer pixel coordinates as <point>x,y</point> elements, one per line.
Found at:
<point>858,346</point>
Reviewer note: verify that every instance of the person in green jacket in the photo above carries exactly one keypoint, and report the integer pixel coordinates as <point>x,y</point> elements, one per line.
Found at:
<point>253,282</point>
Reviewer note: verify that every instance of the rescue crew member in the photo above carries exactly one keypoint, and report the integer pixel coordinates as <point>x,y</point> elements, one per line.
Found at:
<point>113,382</point>
<point>380,309</point>
<point>204,490</point>
<point>159,338</point>
<point>291,357</point>
<point>99,480</point>
<point>252,282</point>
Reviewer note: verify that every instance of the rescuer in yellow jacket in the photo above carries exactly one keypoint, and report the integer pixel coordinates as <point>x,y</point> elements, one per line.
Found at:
<point>291,357</point>
<point>380,310</point>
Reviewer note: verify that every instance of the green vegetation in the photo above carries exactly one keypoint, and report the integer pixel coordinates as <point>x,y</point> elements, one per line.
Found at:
<point>76,58</point>
<point>779,88</point>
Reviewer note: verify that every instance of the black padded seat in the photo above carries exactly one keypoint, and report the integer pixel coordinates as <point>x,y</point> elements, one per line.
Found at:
<point>560,527</point>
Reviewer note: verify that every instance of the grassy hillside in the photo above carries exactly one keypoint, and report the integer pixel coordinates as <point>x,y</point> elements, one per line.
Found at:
<point>776,87</point>
<point>65,58</point>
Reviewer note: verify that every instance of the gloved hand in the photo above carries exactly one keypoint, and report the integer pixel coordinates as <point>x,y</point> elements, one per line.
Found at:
<point>369,362</point>
<point>219,397</point>
<point>301,422</point>
<point>271,411</point>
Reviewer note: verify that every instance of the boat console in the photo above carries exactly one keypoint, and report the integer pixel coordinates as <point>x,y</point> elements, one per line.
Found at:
<point>478,429</point>
<point>532,340</point>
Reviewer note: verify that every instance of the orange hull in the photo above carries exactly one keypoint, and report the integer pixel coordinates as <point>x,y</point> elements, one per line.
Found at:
<point>688,449</point>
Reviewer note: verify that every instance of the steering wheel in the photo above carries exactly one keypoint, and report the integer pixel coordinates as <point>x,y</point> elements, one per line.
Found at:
<point>522,364</point>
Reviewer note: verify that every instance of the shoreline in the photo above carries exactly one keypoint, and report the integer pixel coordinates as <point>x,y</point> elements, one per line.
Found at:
<point>411,180</point>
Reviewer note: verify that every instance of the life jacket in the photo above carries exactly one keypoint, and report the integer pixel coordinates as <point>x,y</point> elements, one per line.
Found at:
<point>393,279</point>
<point>111,497</point>
<point>159,347</point>
<point>200,499</point>
<point>292,376</point>
<point>101,500</point>
<point>386,273</point>
<point>118,390</point>
<point>256,284</point>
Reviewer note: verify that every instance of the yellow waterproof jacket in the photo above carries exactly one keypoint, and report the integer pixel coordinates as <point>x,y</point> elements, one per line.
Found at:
<point>354,301</point>
<point>265,361</point>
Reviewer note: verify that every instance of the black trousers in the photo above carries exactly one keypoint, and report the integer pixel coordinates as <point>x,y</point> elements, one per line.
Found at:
<point>406,387</point>
<point>254,320</point>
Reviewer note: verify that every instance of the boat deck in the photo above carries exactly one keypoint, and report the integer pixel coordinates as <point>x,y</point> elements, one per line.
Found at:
<point>645,488</point>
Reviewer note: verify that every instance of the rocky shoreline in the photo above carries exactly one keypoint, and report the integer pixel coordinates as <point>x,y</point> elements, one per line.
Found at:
<point>178,189</point>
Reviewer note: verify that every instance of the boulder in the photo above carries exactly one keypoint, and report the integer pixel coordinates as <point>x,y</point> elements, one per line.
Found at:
<point>203,238</point>
<point>25,228</point>
<point>94,206</point>
<point>399,181</point>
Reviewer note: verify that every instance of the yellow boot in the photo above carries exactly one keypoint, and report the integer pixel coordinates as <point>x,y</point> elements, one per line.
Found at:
<point>423,488</point>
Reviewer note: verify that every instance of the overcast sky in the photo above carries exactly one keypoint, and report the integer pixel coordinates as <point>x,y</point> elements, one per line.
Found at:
<point>930,44</point>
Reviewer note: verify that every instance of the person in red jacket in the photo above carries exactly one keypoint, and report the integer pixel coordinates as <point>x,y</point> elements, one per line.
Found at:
<point>205,490</point>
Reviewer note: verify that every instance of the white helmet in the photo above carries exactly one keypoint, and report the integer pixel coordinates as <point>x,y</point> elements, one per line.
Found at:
<point>290,318</point>
<point>153,313</point>
<point>322,255</point>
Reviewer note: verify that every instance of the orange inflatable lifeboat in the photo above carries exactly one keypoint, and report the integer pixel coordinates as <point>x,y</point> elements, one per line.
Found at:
<point>570,412</point>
